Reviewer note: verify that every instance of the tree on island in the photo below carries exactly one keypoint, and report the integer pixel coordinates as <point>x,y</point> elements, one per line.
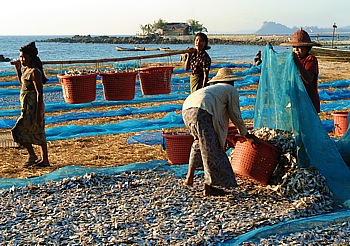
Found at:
<point>154,28</point>
<point>147,29</point>
<point>196,26</point>
<point>159,26</point>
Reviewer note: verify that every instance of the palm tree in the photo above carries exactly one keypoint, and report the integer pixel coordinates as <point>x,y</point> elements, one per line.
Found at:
<point>159,25</point>
<point>147,29</point>
<point>196,26</point>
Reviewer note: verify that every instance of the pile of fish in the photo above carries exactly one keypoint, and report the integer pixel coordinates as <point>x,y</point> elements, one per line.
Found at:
<point>150,207</point>
<point>77,72</point>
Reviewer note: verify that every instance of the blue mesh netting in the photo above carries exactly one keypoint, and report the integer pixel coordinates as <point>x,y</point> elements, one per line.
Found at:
<point>283,103</point>
<point>291,226</point>
<point>335,84</point>
<point>71,171</point>
<point>172,120</point>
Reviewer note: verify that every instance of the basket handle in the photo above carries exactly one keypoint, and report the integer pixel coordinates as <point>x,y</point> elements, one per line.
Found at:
<point>255,145</point>
<point>163,140</point>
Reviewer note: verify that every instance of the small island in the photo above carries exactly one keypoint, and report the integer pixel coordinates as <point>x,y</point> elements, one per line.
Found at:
<point>162,32</point>
<point>238,39</point>
<point>3,59</point>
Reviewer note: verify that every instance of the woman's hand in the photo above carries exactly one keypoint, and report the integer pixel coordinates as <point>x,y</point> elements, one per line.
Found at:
<point>251,138</point>
<point>191,50</point>
<point>17,64</point>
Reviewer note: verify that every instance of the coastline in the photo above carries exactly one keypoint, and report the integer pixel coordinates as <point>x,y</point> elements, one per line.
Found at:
<point>247,39</point>
<point>221,39</point>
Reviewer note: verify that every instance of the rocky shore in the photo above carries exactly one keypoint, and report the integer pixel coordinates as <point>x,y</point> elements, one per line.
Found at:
<point>213,39</point>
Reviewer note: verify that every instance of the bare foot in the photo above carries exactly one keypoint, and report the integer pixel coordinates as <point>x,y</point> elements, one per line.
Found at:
<point>212,191</point>
<point>188,182</point>
<point>189,177</point>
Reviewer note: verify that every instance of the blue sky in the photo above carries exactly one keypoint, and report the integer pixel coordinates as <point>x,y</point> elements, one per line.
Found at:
<point>122,17</point>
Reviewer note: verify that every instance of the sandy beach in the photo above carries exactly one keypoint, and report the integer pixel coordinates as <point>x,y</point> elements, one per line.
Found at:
<point>116,210</point>
<point>105,151</point>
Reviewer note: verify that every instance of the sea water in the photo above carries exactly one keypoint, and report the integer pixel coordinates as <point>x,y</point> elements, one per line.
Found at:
<point>51,51</point>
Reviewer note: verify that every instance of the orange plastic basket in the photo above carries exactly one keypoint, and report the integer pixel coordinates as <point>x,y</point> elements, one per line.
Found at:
<point>256,162</point>
<point>178,147</point>
<point>233,136</point>
<point>340,123</point>
<point>155,80</point>
<point>78,89</point>
<point>119,86</point>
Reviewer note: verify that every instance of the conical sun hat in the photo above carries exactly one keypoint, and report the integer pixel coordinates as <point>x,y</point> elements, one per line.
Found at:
<point>224,75</point>
<point>300,38</point>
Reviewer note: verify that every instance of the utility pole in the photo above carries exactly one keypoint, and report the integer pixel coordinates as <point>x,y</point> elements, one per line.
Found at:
<point>334,27</point>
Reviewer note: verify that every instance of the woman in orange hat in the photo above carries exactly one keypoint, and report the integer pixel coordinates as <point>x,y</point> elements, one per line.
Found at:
<point>306,63</point>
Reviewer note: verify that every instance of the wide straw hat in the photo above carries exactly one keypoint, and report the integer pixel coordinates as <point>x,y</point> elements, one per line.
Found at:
<point>224,75</point>
<point>300,38</point>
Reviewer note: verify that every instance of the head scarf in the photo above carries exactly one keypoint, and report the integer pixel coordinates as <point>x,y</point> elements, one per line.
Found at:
<point>31,50</point>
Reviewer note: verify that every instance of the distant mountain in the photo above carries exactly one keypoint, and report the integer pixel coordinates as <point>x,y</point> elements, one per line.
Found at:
<point>271,28</point>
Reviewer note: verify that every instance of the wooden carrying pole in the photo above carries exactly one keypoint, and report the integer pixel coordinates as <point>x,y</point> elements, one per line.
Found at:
<point>168,53</point>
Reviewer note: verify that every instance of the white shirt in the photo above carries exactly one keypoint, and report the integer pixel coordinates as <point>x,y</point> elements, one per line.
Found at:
<point>221,100</point>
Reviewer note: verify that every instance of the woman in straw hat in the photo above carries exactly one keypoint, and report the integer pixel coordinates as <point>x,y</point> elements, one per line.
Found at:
<point>306,63</point>
<point>30,126</point>
<point>206,112</point>
<point>199,62</point>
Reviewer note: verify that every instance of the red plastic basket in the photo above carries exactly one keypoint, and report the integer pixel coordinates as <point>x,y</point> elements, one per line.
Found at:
<point>233,136</point>
<point>257,162</point>
<point>78,89</point>
<point>155,80</point>
<point>178,147</point>
<point>340,123</point>
<point>119,86</point>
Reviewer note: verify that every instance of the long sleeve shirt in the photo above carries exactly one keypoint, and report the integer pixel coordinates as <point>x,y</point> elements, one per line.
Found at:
<point>222,102</point>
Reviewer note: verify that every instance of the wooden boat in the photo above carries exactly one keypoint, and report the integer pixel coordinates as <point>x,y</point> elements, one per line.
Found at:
<point>331,53</point>
<point>150,48</point>
<point>167,49</point>
<point>123,49</point>
<point>136,48</point>
<point>139,48</point>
